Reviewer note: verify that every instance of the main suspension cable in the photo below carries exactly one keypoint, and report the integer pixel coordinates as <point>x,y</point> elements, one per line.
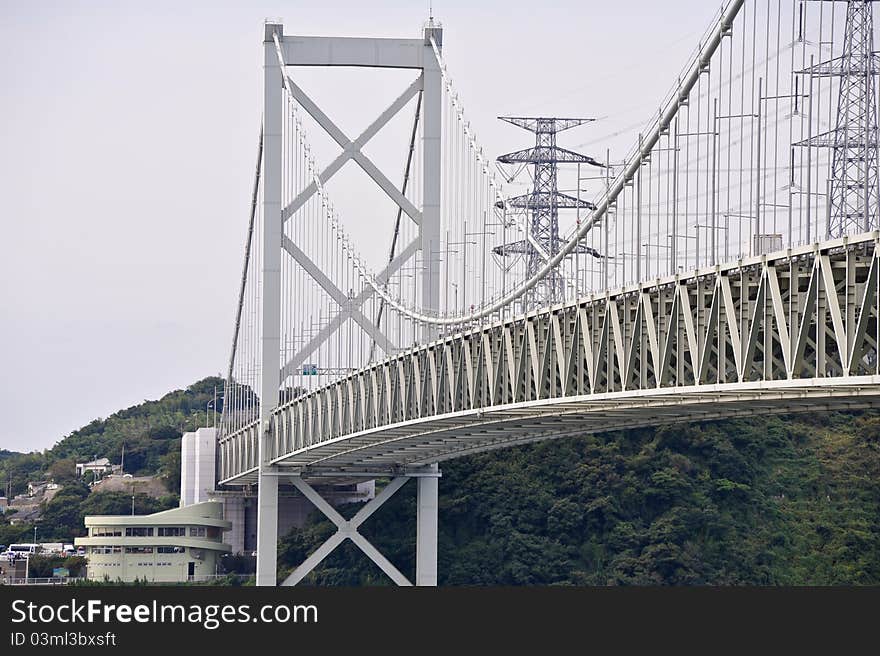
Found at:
<point>626,175</point>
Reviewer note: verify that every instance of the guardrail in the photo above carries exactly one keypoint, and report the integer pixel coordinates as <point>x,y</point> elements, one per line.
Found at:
<point>206,579</point>
<point>47,580</point>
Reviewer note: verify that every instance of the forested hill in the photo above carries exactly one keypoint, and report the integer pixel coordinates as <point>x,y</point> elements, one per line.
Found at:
<point>146,429</point>
<point>765,501</point>
<point>150,432</point>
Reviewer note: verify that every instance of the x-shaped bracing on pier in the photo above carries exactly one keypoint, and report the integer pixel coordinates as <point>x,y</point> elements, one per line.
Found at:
<point>348,529</point>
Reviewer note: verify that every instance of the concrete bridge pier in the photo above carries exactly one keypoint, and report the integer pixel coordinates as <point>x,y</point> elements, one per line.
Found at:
<point>347,529</point>
<point>427,504</point>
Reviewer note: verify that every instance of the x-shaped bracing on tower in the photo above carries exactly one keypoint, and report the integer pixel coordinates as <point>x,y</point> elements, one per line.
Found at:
<point>351,150</point>
<point>347,529</point>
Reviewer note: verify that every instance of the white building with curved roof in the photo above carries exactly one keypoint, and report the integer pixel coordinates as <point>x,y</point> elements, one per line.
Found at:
<point>181,544</point>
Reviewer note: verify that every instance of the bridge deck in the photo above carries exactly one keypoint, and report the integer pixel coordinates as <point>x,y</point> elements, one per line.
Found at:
<point>793,331</point>
<point>413,444</point>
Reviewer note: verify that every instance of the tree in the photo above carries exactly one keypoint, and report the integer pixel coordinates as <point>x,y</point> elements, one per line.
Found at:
<point>63,470</point>
<point>61,518</point>
<point>41,566</point>
<point>19,533</point>
<point>19,469</point>
<point>169,468</point>
<point>119,503</point>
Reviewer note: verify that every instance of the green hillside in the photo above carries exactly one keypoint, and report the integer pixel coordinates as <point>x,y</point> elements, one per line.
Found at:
<point>764,501</point>
<point>150,433</point>
<point>150,430</point>
<point>767,500</point>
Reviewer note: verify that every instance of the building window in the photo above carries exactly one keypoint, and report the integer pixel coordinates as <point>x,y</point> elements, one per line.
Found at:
<point>105,532</point>
<point>197,531</point>
<point>138,532</point>
<point>139,550</point>
<point>171,531</point>
<point>171,550</point>
<point>213,533</point>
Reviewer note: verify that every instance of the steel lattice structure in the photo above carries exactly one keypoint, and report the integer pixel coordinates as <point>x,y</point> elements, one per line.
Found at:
<point>544,202</point>
<point>791,332</point>
<point>853,187</point>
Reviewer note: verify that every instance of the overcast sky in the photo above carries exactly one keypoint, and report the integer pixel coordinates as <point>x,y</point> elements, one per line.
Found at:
<point>127,143</point>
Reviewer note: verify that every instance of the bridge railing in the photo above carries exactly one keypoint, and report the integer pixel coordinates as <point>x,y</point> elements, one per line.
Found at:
<point>804,313</point>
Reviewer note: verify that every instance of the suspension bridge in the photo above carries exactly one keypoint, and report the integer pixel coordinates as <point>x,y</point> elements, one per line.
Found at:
<point>727,265</point>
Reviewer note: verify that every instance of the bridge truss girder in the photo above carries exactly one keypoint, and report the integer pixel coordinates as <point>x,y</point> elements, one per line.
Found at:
<point>796,330</point>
